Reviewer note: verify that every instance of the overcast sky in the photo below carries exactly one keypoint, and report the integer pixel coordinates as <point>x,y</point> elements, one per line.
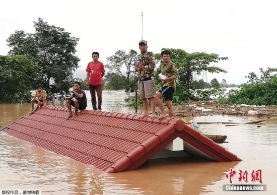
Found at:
<point>245,31</point>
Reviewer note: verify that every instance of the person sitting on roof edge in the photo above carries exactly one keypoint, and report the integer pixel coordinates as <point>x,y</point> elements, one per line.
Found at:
<point>39,99</point>
<point>78,99</point>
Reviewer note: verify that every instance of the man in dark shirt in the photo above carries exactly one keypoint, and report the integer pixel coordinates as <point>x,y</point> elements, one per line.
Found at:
<point>78,99</point>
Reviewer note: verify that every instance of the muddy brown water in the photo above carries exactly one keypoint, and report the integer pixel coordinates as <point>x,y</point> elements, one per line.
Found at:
<point>26,166</point>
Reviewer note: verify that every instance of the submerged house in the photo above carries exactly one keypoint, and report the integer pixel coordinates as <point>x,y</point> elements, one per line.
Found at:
<point>114,142</point>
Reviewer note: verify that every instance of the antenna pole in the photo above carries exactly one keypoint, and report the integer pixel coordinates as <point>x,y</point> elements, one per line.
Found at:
<point>136,91</point>
<point>141,25</point>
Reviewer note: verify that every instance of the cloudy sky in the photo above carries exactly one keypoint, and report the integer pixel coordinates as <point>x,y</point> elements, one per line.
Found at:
<point>242,30</point>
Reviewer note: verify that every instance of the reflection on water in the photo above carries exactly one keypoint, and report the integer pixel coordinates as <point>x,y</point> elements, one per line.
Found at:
<point>23,165</point>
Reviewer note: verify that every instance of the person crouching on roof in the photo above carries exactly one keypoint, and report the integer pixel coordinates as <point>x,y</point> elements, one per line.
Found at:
<point>39,99</point>
<point>78,100</point>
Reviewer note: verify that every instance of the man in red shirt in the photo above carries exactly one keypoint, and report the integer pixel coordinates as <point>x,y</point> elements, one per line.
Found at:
<point>95,71</point>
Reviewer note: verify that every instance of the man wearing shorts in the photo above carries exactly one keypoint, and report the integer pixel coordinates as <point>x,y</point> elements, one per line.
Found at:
<point>168,84</point>
<point>145,67</point>
<point>39,99</point>
<point>78,99</point>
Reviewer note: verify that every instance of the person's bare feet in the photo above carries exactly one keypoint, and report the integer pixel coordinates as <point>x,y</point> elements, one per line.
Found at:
<point>153,115</point>
<point>162,116</point>
<point>69,116</point>
<point>143,116</point>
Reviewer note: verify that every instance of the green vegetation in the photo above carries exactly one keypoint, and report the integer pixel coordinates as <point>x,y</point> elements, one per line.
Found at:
<point>257,91</point>
<point>16,73</point>
<point>50,48</point>
<point>116,77</point>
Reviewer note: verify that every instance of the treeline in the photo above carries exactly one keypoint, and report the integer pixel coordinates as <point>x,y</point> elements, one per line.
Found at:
<point>259,90</point>
<point>48,57</point>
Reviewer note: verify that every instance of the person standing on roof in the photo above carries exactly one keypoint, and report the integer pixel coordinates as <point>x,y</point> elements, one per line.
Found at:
<point>95,71</point>
<point>168,84</point>
<point>145,66</point>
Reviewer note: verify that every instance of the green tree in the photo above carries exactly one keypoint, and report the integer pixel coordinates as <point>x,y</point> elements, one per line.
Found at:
<point>264,75</point>
<point>51,48</point>
<point>254,94</point>
<point>259,90</point>
<point>114,81</point>
<point>16,71</point>
<point>215,83</point>
<point>223,83</point>
<point>198,84</point>
<point>201,84</point>
<point>122,63</point>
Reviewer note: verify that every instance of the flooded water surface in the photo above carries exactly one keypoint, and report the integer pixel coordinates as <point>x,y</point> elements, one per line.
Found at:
<point>26,166</point>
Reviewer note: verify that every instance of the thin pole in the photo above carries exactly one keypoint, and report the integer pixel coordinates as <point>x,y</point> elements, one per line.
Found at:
<point>141,25</point>
<point>136,101</point>
<point>136,91</point>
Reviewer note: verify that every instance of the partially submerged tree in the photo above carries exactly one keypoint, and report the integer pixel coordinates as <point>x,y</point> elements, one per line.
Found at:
<point>215,83</point>
<point>200,84</point>
<point>16,71</point>
<point>51,48</point>
<point>223,83</point>
<point>122,63</point>
<point>114,81</point>
<point>264,75</point>
<point>259,90</point>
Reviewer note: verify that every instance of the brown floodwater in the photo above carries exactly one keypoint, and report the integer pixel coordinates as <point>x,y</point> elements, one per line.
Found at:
<point>26,166</point>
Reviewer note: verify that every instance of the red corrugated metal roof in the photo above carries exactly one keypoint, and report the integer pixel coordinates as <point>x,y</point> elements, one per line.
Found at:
<point>113,142</point>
